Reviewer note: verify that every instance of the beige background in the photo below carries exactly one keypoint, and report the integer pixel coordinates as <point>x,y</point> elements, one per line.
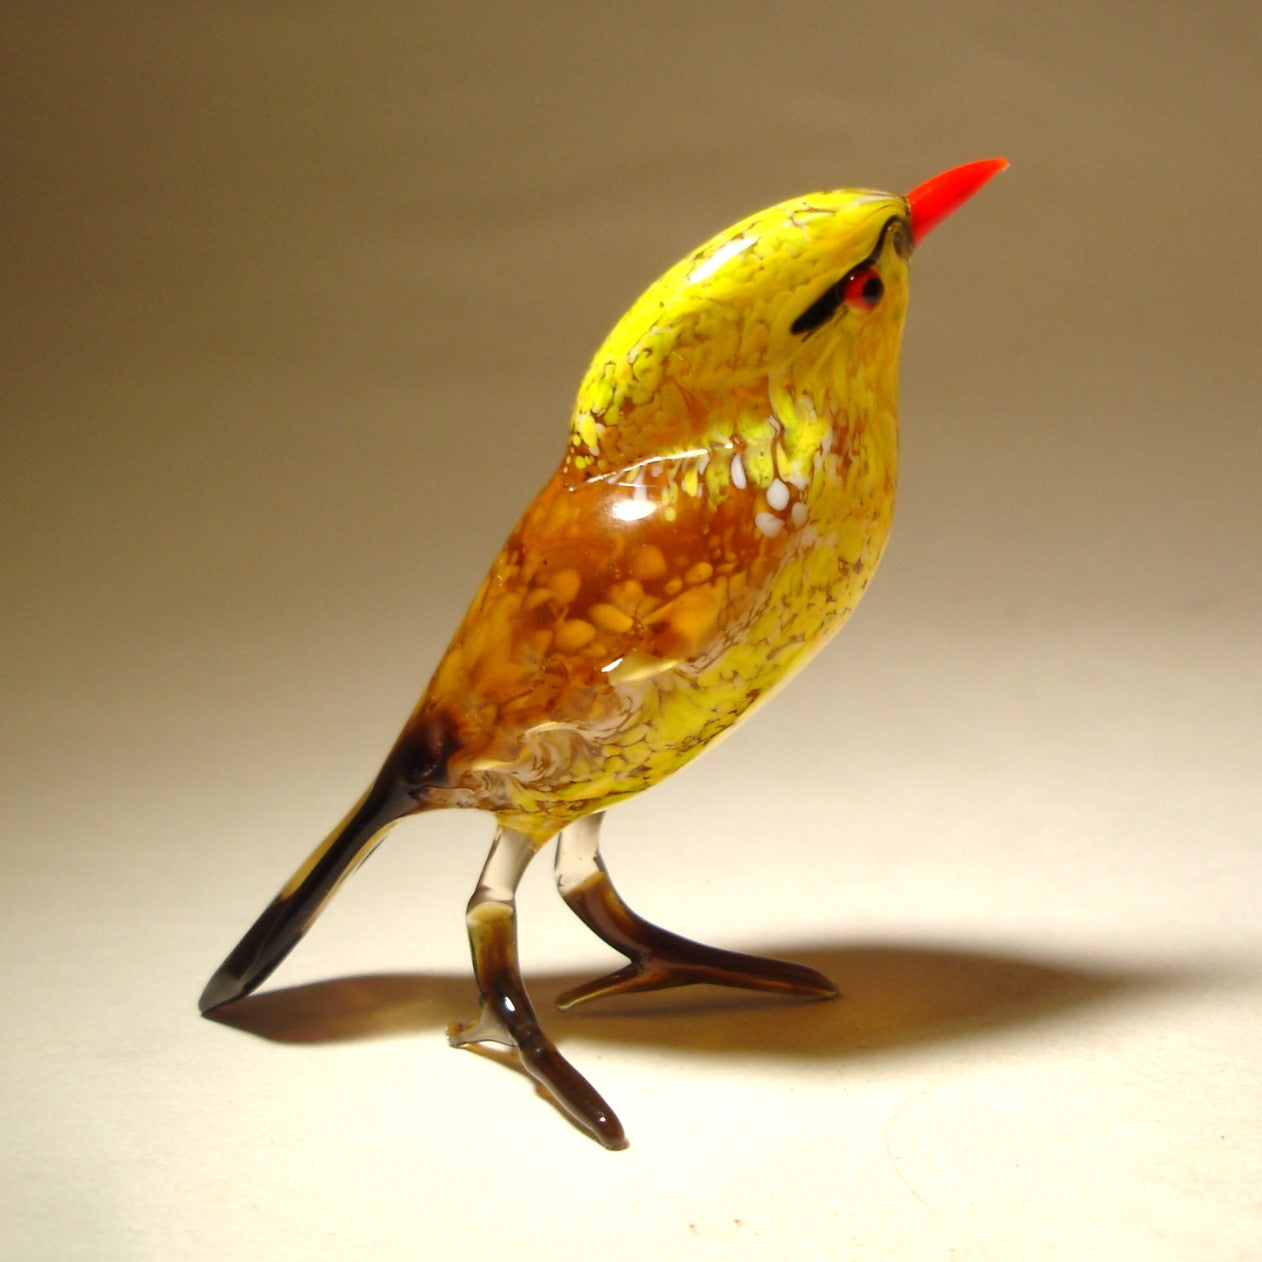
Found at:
<point>295,298</point>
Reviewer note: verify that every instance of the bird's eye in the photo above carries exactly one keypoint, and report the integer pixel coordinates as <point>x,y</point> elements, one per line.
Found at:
<point>863,288</point>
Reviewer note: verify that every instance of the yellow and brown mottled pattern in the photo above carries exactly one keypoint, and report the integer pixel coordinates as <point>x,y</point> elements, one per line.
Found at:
<point>724,500</point>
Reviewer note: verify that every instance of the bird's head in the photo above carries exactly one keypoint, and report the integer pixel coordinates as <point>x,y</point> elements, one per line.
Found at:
<point>808,296</point>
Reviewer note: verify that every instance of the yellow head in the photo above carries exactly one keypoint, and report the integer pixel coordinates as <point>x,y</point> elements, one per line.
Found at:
<point>806,298</point>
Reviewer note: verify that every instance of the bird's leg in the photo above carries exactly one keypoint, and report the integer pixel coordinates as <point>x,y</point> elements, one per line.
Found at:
<point>659,958</point>
<point>507,1015</point>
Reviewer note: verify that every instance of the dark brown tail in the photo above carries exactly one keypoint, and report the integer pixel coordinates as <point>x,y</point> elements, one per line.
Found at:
<point>277,931</point>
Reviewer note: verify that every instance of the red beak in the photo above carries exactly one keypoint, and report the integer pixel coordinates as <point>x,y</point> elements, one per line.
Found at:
<point>935,199</point>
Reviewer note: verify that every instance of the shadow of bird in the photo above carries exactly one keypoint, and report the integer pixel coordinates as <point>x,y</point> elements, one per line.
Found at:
<point>893,996</point>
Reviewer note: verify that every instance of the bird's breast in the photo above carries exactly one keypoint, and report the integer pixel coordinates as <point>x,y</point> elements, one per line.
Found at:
<point>633,618</point>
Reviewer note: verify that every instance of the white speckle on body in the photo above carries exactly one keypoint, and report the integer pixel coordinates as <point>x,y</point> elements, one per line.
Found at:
<point>738,472</point>
<point>769,524</point>
<point>778,496</point>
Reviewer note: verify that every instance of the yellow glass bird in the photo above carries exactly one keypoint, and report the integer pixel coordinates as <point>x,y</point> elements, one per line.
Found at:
<point>723,503</point>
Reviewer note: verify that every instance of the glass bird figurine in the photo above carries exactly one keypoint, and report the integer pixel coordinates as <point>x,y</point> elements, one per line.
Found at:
<point>722,504</point>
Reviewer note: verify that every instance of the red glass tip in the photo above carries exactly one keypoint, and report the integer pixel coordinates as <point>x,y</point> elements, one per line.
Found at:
<point>935,199</point>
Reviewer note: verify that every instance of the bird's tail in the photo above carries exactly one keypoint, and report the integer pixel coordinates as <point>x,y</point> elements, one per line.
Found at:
<point>290,914</point>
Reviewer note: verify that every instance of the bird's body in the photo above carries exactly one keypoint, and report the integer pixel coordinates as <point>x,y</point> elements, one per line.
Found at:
<point>724,500</point>
<point>717,516</point>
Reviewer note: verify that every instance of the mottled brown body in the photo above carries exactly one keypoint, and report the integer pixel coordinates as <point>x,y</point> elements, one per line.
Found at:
<point>635,614</point>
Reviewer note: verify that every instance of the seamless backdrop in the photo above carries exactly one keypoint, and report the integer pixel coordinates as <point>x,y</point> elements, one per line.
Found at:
<point>295,298</point>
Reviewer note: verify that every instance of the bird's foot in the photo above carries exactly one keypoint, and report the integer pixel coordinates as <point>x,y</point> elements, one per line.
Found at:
<point>675,961</point>
<point>558,1079</point>
<point>659,959</point>
<point>488,1028</point>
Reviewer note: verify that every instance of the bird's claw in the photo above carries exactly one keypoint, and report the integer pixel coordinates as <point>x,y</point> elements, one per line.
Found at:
<point>487,1028</point>
<point>553,1074</point>
<point>696,964</point>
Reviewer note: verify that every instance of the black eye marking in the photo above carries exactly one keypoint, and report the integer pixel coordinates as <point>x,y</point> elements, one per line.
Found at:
<point>860,287</point>
<point>820,311</point>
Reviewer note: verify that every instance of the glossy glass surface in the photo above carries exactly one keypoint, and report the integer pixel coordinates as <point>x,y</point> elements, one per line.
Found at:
<point>725,498</point>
